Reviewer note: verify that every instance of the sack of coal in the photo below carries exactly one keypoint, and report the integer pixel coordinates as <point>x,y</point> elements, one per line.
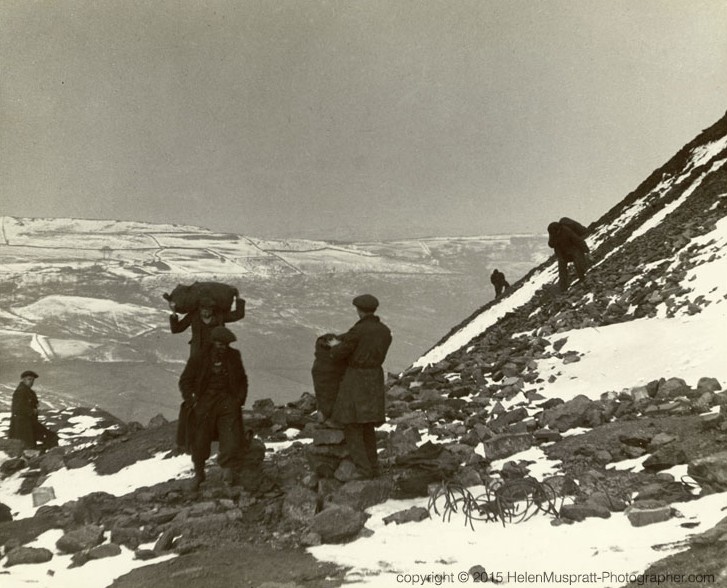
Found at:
<point>186,298</point>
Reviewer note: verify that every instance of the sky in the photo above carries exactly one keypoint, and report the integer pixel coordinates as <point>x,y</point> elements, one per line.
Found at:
<point>377,119</point>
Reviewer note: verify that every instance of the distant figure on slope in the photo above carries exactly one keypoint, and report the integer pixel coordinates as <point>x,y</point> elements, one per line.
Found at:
<point>359,405</point>
<point>203,320</point>
<point>24,423</point>
<point>327,374</point>
<point>214,386</point>
<point>569,247</point>
<point>497,278</point>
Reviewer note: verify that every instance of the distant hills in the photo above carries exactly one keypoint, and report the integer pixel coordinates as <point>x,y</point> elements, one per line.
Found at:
<point>80,302</point>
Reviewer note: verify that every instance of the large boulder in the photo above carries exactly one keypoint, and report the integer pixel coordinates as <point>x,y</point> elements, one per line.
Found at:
<point>337,523</point>
<point>580,512</point>
<point>27,555</point>
<point>361,494</point>
<point>710,471</point>
<point>648,512</point>
<point>665,457</point>
<point>672,388</point>
<point>81,538</point>
<point>581,411</point>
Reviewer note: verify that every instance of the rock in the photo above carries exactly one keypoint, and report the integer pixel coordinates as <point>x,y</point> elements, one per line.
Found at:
<point>648,512</point>
<point>324,436</point>
<point>639,393</point>
<point>562,485</point>
<point>299,505</point>
<point>612,503</point>
<point>708,385</point>
<point>718,533</point>
<point>104,551</point>
<point>413,514</point>
<point>131,537</point>
<point>346,471</point>
<point>306,403</point>
<point>6,514</point>
<point>664,458</point>
<point>79,539</point>
<point>10,466</point>
<point>501,446</point>
<point>361,494</point>
<point>636,439</point>
<point>581,411</point>
<point>52,460</point>
<point>12,447</point>
<point>337,523</point>
<point>467,477</point>
<point>165,541</point>
<point>144,554</point>
<point>403,440</point>
<point>710,470</point>
<point>580,512</point>
<point>76,462</point>
<point>660,439</point>
<point>157,421</point>
<point>672,388</point>
<point>704,402</point>
<point>27,555</point>
<point>310,539</point>
<point>546,436</point>
<point>507,418</point>
<point>632,452</point>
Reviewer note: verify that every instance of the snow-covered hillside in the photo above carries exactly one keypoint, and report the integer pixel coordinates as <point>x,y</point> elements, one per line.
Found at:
<point>81,300</point>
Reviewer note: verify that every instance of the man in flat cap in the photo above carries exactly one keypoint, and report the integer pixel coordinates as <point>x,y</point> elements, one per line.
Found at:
<point>359,405</point>
<point>214,385</point>
<point>24,423</point>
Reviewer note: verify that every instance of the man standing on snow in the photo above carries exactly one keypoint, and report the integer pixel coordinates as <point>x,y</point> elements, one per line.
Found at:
<point>24,423</point>
<point>569,247</point>
<point>497,279</point>
<point>214,384</point>
<point>359,405</point>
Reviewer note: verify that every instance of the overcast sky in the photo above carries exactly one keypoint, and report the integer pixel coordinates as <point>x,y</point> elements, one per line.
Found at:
<point>365,119</point>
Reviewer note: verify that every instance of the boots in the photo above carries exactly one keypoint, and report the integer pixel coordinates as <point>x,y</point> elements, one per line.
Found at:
<point>199,477</point>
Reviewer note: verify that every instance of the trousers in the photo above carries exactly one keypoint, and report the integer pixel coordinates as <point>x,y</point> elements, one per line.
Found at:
<point>361,444</point>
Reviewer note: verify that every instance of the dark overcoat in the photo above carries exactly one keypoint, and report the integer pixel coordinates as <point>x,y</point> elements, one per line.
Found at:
<point>361,393</point>
<point>24,415</point>
<point>193,383</point>
<point>195,377</point>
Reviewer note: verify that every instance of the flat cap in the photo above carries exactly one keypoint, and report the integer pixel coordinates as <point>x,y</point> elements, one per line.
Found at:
<point>366,302</point>
<point>27,373</point>
<point>223,335</point>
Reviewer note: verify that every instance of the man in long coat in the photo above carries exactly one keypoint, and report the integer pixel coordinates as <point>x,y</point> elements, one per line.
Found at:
<point>214,384</point>
<point>569,247</point>
<point>359,405</point>
<point>24,423</point>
